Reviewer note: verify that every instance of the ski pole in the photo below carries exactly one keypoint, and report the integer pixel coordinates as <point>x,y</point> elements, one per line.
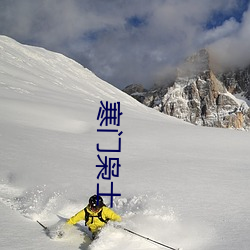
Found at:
<point>45,228</point>
<point>159,243</point>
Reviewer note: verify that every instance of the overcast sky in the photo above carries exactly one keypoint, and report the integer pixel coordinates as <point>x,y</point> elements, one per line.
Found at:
<point>131,41</point>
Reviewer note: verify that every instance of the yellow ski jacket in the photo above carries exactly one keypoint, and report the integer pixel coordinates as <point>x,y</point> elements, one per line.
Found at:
<point>94,223</point>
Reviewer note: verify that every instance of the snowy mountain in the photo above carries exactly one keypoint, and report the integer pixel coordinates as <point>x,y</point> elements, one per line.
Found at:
<point>237,81</point>
<point>182,185</point>
<point>201,95</point>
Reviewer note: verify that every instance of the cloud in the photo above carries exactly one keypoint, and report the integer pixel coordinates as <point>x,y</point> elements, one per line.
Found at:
<point>233,49</point>
<point>228,28</point>
<point>121,41</point>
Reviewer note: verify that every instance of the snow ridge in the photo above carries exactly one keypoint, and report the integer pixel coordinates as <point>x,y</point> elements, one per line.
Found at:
<point>183,185</point>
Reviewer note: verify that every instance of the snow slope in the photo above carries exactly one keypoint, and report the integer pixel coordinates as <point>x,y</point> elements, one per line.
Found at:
<point>182,185</point>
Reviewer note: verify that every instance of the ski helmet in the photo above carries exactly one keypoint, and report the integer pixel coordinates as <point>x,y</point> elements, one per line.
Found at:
<point>95,202</point>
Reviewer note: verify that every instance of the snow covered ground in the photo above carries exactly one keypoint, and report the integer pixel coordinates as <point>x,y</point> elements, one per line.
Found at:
<point>182,185</point>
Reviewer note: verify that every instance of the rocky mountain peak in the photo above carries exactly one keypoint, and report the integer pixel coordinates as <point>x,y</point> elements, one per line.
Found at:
<point>197,64</point>
<point>200,96</point>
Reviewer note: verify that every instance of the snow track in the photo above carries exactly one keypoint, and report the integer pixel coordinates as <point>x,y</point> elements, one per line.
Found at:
<point>144,214</point>
<point>8,194</point>
<point>32,204</point>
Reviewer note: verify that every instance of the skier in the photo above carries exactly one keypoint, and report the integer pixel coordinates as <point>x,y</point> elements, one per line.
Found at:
<point>95,214</point>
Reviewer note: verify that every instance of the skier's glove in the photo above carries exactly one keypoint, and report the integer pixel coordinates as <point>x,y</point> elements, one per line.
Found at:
<point>118,226</point>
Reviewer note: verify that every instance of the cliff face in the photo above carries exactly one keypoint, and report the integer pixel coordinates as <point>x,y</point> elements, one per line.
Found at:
<point>201,97</point>
<point>237,81</point>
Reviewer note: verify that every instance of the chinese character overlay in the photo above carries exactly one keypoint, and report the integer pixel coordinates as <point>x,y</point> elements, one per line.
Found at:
<point>109,150</point>
<point>111,194</point>
<point>108,169</point>
<point>109,114</point>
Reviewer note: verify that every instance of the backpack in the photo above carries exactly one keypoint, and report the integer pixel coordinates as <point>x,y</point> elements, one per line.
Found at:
<point>99,216</point>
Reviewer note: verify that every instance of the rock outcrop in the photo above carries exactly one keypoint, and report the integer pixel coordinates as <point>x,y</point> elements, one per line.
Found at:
<point>199,96</point>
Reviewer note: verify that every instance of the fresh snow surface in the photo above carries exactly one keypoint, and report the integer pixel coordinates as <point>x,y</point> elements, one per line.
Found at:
<point>182,185</point>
